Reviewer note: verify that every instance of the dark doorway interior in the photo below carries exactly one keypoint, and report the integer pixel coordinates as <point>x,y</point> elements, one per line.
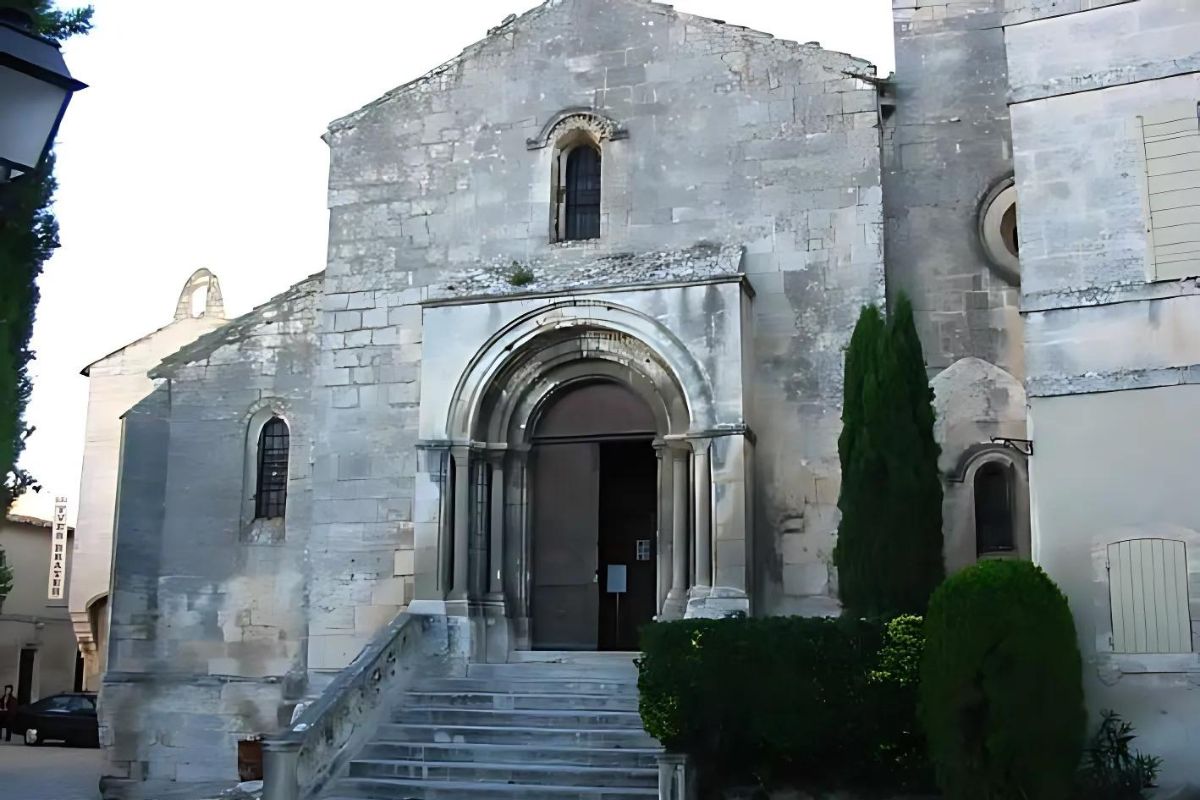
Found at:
<point>25,676</point>
<point>628,506</point>
<point>78,683</point>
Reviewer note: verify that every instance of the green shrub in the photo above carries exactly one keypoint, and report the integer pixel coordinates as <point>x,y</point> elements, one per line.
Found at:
<point>1110,771</point>
<point>520,275</point>
<point>897,736</point>
<point>805,702</point>
<point>1001,696</point>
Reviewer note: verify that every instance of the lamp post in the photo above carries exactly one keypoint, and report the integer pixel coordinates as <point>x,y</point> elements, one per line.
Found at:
<point>35,88</point>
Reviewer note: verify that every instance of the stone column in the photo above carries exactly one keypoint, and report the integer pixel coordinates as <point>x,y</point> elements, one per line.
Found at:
<point>495,588</point>
<point>702,516</point>
<point>462,524</point>
<point>431,530</point>
<point>678,595</point>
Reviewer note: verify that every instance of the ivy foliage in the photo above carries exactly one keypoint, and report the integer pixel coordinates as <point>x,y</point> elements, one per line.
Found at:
<point>889,550</point>
<point>28,237</point>
<point>1001,693</point>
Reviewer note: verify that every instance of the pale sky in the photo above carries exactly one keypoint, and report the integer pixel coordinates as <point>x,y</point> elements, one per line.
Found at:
<point>198,145</point>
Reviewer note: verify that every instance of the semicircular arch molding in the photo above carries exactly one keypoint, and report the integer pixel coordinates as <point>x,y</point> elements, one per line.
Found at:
<point>532,346</point>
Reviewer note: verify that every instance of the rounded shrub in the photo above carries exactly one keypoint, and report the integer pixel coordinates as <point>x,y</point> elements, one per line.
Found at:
<point>1001,696</point>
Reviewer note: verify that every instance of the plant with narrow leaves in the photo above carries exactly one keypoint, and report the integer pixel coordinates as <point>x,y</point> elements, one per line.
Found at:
<point>1111,771</point>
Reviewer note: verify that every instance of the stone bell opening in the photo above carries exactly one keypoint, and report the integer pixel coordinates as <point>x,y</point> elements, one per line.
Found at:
<point>594,498</point>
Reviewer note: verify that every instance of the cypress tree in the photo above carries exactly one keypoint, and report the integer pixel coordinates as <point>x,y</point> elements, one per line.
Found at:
<point>889,550</point>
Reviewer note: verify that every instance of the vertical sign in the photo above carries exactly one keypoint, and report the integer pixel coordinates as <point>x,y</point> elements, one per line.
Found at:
<point>58,551</point>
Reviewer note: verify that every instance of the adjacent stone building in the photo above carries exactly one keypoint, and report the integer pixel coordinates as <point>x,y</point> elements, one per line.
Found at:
<point>575,363</point>
<point>38,656</point>
<point>1106,139</point>
<point>115,383</point>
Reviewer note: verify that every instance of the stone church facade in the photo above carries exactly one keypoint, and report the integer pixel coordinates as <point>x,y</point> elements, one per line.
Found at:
<point>575,363</point>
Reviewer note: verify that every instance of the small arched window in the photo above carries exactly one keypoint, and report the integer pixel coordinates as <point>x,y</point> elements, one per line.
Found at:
<point>579,193</point>
<point>994,517</point>
<point>270,497</point>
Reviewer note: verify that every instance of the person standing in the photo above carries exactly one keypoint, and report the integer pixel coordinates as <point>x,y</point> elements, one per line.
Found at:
<point>8,712</point>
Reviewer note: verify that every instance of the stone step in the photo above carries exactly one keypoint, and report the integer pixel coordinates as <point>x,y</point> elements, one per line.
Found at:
<point>624,757</point>
<point>617,672</point>
<point>395,789</point>
<point>590,657</point>
<point>541,718</point>
<point>504,734</point>
<point>525,701</point>
<point>529,686</point>
<point>528,774</point>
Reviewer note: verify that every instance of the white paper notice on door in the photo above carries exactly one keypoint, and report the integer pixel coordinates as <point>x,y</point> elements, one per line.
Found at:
<point>617,579</point>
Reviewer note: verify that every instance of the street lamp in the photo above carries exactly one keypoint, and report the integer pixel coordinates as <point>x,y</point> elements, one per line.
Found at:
<point>35,87</point>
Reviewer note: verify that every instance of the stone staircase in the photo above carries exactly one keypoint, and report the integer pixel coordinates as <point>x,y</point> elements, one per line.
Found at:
<point>564,726</point>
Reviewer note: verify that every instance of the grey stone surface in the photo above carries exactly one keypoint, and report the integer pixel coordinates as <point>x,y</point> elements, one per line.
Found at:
<point>208,619</point>
<point>1112,354</point>
<point>49,773</point>
<point>946,145</point>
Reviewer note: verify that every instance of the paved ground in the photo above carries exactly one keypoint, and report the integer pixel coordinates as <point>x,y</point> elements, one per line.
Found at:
<point>48,773</point>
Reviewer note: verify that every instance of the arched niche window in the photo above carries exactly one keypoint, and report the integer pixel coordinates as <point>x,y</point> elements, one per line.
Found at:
<point>579,193</point>
<point>578,167</point>
<point>270,495</point>
<point>995,523</point>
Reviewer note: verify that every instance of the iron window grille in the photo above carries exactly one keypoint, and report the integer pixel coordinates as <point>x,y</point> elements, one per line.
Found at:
<point>583,194</point>
<point>270,499</point>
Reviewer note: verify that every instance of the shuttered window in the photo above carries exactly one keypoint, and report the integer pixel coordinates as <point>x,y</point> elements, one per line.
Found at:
<point>1171,137</point>
<point>1148,591</point>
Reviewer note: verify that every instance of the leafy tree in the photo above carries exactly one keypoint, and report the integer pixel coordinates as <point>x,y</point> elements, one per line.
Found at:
<point>889,550</point>
<point>28,236</point>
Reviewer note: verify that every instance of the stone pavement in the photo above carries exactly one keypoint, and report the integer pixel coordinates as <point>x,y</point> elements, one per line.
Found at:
<point>48,773</point>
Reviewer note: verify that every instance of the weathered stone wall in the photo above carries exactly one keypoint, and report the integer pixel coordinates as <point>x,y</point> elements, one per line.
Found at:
<point>733,137</point>
<point>209,614</point>
<point>115,383</point>
<point>1111,352</point>
<point>948,144</point>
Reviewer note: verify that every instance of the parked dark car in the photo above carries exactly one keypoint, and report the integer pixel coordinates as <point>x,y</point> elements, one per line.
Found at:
<point>69,717</point>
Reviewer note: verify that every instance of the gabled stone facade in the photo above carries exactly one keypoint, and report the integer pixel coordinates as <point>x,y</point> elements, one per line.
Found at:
<point>422,378</point>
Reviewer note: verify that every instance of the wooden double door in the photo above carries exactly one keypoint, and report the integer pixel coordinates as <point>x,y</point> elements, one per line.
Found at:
<point>594,549</point>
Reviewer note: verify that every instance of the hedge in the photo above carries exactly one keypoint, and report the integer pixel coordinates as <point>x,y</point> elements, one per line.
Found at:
<point>794,701</point>
<point>1001,697</point>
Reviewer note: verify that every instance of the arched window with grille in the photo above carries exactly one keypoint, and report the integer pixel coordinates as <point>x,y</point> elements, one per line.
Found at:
<point>994,514</point>
<point>270,496</point>
<point>579,193</point>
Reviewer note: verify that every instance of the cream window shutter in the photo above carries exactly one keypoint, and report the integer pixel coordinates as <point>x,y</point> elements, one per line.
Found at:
<point>1148,593</point>
<point>1171,137</point>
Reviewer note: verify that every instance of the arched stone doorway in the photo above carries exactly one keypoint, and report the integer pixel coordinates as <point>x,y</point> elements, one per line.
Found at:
<point>561,409</point>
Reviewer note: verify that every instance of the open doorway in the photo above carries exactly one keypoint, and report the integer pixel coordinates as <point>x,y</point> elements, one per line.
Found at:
<point>595,504</point>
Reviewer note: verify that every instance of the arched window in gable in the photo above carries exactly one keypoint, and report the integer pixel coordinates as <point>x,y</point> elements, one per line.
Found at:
<point>270,496</point>
<point>995,530</point>
<point>580,193</point>
<point>579,140</point>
